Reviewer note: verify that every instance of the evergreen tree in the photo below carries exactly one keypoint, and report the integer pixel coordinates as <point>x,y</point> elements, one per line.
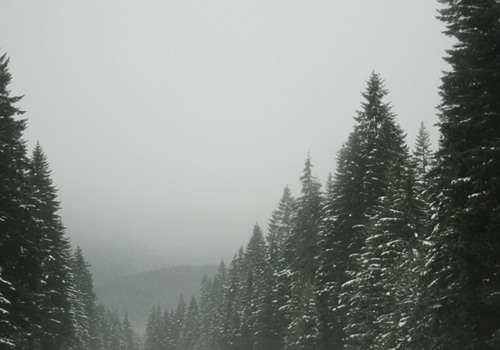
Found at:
<point>302,332</point>
<point>177,323</point>
<point>154,328</point>
<point>190,328</point>
<point>129,337</point>
<point>275,295</point>
<point>232,303</point>
<point>302,244</point>
<point>20,260</point>
<point>302,248</point>
<point>423,158</point>
<point>463,299</point>
<point>204,341</point>
<point>365,165</point>
<point>5,336</point>
<point>371,307</point>
<point>253,271</point>
<point>54,294</point>
<point>280,225</point>
<point>83,304</point>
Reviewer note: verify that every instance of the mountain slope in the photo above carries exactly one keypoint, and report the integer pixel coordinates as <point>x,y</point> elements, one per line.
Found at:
<point>136,294</point>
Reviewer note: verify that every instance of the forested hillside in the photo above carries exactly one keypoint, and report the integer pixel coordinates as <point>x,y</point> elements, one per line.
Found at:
<point>136,294</point>
<point>399,249</point>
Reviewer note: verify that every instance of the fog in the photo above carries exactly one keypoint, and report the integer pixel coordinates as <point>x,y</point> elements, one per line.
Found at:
<point>177,124</point>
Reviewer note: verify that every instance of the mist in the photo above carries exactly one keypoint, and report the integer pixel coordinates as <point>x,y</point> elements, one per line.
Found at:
<point>175,126</point>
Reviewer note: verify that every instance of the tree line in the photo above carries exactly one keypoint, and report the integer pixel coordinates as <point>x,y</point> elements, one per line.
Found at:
<point>399,250</point>
<point>47,300</point>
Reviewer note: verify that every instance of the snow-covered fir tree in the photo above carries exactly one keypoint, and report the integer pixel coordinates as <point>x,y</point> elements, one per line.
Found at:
<point>463,298</point>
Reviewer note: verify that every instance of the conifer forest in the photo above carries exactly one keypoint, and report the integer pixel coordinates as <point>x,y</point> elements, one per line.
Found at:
<point>399,249</point>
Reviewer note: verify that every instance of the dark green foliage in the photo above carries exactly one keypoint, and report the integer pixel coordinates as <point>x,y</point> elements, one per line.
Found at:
<point>302,244</point>
<point>20,259</point>
<point>55,291</point>
<point>129,338</point>
<point>464,302</point>
<point>154,330</point>
<point>190,328</point>
<point>372,157</point>
<point>361,267</point>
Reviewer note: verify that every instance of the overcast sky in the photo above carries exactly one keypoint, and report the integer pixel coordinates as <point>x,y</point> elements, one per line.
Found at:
<point>180,122</point>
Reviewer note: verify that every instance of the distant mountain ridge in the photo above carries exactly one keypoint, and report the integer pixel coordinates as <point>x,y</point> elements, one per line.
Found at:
<point>112,256</point>
<point>136,294</point>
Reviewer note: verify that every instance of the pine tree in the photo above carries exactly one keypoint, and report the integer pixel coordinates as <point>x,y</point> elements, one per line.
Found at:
<point>130,341</point>
<point>365,165</point>
<point>302,244</point>
<point>190,328</point>
<point>5,336</point>
<point>389,233</point>
<point>204,341</point>
<point>232,303</point>
<point>302,332</point>
<point>20,260</point>
<point>54,294</point>
<point>275,295</point>
<point>83,304</point>
<point>302,248</point>
<point>166,326</point>
<point>177,323</point>
<point>280,225</point>
<point>463,298</point>
<point>154,328</point>
<point>254,264</point>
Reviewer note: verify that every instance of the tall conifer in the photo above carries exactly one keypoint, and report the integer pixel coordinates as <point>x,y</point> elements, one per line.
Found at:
<point>54,293</point>
<point>464,299</point>
<point>365,165</point>
<point>20,259</point>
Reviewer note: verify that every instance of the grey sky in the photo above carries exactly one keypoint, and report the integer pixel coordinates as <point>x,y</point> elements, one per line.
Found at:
<point>180,122</point>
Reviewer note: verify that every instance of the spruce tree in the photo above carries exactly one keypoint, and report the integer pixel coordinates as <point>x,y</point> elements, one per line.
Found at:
<point>464,276</point>
<point>190,328</point>
<point>371,307</point>
<point>5,328</point>
<point>277,285</point>
<point>232,303</point>
<point>84,308</point>
<point>302,249</point>
<point>20,260</point>
<point>54,293</point>
<point>204,341</point>
<point>154,328</point>
<point>302,244</point>
<point>130,341</point>
<point>364,167</point>
<point>254,269</point>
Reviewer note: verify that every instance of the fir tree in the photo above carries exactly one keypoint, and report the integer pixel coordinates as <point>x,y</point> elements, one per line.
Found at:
<point>302,245</point>
<point>177,323</point>
<point>20,260</point>
<point>365,164</point>
<point>232,303</point>
<point>154,328</point>
<point>275,295</point>
<point>5,336</point>
<point>190,328</point>
<point>54,294</point>
<point>302,248</point>
<point>463,299</point>
<point>129,337</point>
<point>83,304</point>
<point>254,267</point>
